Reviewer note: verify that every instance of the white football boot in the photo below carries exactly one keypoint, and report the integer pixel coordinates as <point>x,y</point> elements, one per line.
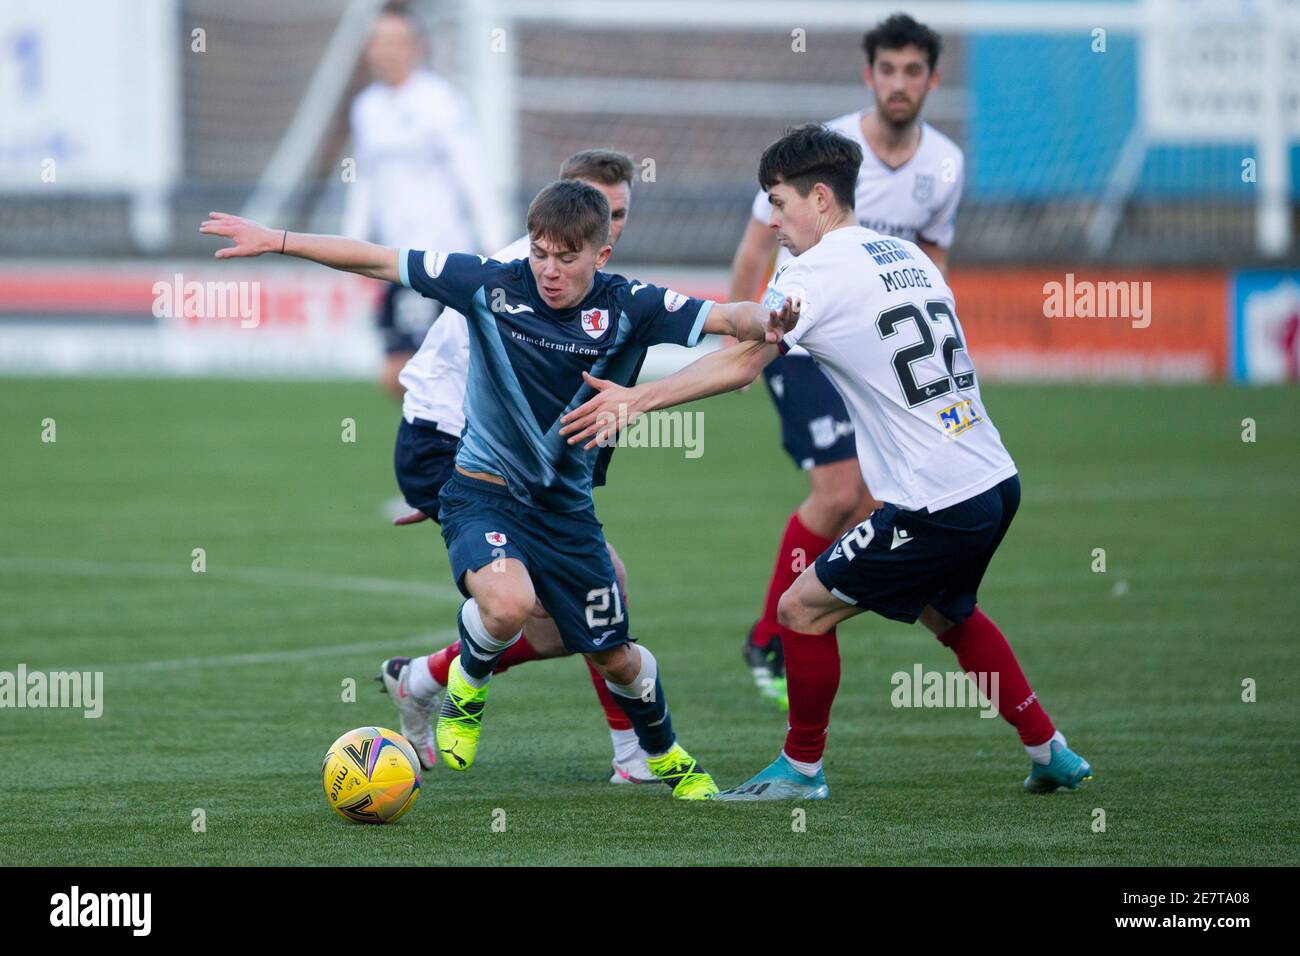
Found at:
<point>416,717</point>
<point>633,770</point>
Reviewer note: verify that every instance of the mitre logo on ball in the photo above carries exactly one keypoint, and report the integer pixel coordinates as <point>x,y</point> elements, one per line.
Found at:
<point>495,538</point>
<point>595,322</point>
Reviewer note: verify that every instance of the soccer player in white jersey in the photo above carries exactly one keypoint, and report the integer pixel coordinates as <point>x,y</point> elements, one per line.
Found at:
<point>433,418</point>
<point>908,185</point>
<point>419,179</point>
<point>877,315</point>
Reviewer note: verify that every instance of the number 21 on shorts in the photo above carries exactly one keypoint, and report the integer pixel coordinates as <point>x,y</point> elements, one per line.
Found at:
<point>598,606</point>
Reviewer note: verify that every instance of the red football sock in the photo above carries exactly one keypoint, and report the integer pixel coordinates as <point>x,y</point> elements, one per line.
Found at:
<point>614,715</point>
<point>799,548</point>
<point>520,652</point>
<point>812,674</point>
<point>981,648</point>
<point>440,663</point>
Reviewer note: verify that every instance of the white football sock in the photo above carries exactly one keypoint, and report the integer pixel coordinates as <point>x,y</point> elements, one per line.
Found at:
<point>1042,753</point>
<point>481,644</point>
<point>419,682</point>
<point>807,769</point>
<point>626,746</point>
<point>645,677</point>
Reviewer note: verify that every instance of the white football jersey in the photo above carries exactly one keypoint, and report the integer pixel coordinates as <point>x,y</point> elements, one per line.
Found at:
<point>434,378</point>
<point>419,181</point>
<point>918,200</point>
<point>882,324</point>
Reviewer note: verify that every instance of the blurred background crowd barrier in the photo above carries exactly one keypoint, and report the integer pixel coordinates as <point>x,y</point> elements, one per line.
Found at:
<point>1152,141</point>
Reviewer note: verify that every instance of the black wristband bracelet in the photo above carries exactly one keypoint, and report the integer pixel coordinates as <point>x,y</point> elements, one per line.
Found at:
<point>284,241</point>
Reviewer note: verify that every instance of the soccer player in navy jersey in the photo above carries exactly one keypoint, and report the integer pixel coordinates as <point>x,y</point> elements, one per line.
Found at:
<point>517,515</point>
<point>433,418</point>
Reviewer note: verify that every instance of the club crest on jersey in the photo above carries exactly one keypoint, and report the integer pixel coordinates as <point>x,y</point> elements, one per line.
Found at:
<point>923,187</point>
<point>495,538</point>
<point>595,322</point>
<point>956,419</point>
<point>673,300</point>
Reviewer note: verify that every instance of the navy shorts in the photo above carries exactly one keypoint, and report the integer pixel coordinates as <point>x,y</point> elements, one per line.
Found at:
<point>404,318</point>
<point>565,554</point>
<point>815,426</point>
<point>423,459</point>
<point>896,562</point>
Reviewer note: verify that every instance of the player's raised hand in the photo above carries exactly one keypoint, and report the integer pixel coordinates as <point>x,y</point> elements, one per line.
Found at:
<point>250,238</point>
<point>782,320</point>
<point>601,416</point>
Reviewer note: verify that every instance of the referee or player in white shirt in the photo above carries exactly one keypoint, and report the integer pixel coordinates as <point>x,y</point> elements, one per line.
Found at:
<point>419,176</point>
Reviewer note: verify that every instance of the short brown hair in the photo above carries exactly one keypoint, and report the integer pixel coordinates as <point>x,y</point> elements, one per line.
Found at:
<point>608,167</point>
<point>569,213</point>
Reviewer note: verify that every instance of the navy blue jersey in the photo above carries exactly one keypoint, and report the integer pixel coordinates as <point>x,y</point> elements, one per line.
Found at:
<point>526,363</point>
<point>601,472</point>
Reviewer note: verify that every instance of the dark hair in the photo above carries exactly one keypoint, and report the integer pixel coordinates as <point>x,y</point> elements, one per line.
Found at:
<point>569,213</point>
<point>807,155</point>
<point>899,31</point>
<point>608,167</point>
<point>399,8</point>
<point>402,10</point>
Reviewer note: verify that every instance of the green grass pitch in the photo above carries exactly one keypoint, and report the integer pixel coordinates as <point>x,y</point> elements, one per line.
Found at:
<point>223,689</point>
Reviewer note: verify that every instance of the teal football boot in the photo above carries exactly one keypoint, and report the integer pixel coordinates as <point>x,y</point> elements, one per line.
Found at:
<point>1065,769</point>
<point>779,781</point>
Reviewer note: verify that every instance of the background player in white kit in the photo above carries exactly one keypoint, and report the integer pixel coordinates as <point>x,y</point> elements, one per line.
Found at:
<point>433,418</point>
<point>419,176</point>
<point>878,316</point>
<point>908,185</point>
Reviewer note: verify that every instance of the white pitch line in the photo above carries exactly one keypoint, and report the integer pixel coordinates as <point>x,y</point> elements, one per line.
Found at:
<point>267,576</point>
<point>431,641</point>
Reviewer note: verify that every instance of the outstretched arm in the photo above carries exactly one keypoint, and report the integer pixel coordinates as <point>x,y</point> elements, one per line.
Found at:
<point>614,406</point>
<point>744,321</point>
<point>348,255</point>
